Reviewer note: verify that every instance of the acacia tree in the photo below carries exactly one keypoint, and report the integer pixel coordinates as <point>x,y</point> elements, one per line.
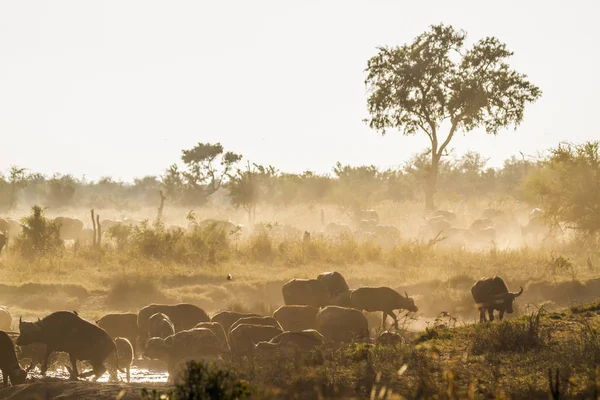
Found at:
<point>207,167</point>
<point>433,84</point>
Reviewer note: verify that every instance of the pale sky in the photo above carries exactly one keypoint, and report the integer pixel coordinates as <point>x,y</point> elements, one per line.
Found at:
<point>119,88</point>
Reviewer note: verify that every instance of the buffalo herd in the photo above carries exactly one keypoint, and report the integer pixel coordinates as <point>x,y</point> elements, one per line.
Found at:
<point>317,312</point>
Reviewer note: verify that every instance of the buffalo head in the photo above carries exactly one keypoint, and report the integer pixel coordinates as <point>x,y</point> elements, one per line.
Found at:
<point>30,332</point>
<point>508,299</point>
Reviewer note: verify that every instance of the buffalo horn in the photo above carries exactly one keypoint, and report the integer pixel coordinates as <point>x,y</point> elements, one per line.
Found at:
<point>406,294</point>
<point>520,292</point>
<point>20,318</point>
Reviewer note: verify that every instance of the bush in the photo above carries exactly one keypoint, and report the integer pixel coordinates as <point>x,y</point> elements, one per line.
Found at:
<point>205,381</point>
<point>40,236</point>
<point>518,335</point>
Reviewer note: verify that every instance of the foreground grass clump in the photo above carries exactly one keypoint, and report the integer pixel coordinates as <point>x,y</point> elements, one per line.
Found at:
<point>519,335</point>
<point>204,381</point>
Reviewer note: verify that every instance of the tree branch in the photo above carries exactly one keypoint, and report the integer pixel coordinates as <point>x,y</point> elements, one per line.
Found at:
<point>450,135</point>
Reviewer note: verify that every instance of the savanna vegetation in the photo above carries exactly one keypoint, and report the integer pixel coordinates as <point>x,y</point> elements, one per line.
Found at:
<point>168,255</point>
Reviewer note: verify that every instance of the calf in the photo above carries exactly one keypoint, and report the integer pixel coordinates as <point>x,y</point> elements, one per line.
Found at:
<point>492,294</point>
<point>82,340</point>
<point>120,325</point>
<point>125,353</point>
<point>8,362</point>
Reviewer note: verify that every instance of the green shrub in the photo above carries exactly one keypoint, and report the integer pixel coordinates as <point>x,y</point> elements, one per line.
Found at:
<point>40,236</point>
<point>205,381</point>
<point>518,335</point>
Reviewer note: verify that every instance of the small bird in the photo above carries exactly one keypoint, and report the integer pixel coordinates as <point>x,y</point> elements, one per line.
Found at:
<point>229,277</point>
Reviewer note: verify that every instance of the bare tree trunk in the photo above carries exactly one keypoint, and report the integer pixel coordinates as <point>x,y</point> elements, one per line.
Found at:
<point>94,226</point>
<point>161,206</point>
<point>431,182</point>
<point>99,228</point>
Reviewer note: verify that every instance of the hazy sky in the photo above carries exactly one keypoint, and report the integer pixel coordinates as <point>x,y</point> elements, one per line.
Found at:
<point>119,88</point>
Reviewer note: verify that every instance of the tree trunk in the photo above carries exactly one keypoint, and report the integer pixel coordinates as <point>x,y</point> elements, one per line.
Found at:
<point>431,182</point>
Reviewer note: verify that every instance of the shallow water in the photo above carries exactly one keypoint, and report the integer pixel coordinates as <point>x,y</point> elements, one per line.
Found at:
<point>137,374</point>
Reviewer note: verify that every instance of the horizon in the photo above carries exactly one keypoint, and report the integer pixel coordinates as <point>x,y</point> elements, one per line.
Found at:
<point>100,95</point>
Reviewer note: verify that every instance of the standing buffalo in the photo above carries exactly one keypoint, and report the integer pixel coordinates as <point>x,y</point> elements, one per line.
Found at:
<point>243,338</point>
<point>492,294</point>
<point>383,299</point>
<point>228,318</point>
<point>120,325</point>
<point>264,321</point>
<point>340,324</point>
<point>160,326</point>
<point>3,241</point>
<point>296,318</point>
<point>334,282</point>
<point>183,315</point>
<point>82,340</point>
<point>305,292</point>
<point>69,228</point>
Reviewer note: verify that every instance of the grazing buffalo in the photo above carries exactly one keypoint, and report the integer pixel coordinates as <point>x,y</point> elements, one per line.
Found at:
<point>126,355</point>
<point>340,324</point>
<point>198,343</point>
<point>492,213</point>
<point>447,215</point>
<point>183,315</point>
<point>296,318</point>
<point>82,340</point>
<point>10,227</point>
<point>69,228</point>
<point>305,292</point>
<point>9,364</point>
<point>219,332</point>
<point>334,282</point>
<point>228,318</point>
<point>243,338</point>
<point>383,299</point>
<point>120,325</point>
<point>480,224</point>
<point>264,321</point>
<point>160,326</point>
<point>304,341</point>
<point>492,294</point>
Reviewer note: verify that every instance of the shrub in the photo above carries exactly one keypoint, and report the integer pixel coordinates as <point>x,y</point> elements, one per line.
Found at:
<point>205,381</point>
<point>518,335</point>
<point>40,236</point>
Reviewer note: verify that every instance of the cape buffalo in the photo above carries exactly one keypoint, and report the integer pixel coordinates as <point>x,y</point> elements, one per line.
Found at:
<point>243,338</point>
<point>334,282</point>
<point>183,315</point>
<point>160,326</point>
<point>296,318</point>
<point>492,294</point>
<point>219,332</point>
<point>264,321</point>
<point>8,362</point>
<point>304,341</point>
<point>340,324</point>
<point>383,299</point>
<point>197,342</point>
<point>228,318</point>
<point>125,352</point>
<point>305,292</point>
<point>82,340</point>
<point>120,325</point>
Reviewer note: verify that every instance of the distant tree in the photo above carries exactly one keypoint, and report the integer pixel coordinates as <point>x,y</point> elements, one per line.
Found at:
<point>568,187</point>
<point>17,179</point>
<point>420,87</point>
<point>207,167</point>
<point>248,186</point>
<point>60,190</point>
<point>356,185</point>
<point>172,182</point>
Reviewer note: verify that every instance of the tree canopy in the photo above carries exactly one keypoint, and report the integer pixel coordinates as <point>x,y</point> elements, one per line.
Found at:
<point>433,83</point>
